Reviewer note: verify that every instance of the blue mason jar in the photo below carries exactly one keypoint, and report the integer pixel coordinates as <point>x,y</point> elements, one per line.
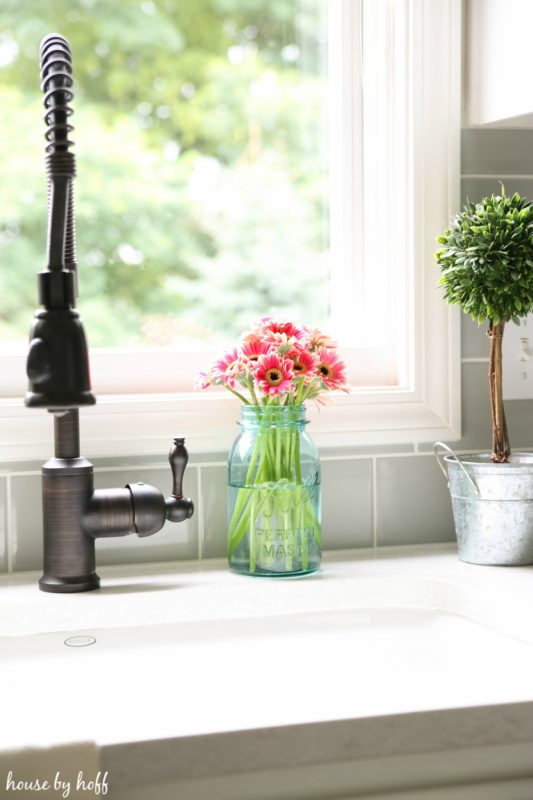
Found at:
<point>274,496</point>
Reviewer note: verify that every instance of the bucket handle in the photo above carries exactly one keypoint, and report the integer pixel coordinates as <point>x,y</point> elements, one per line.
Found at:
<point>439,458</point>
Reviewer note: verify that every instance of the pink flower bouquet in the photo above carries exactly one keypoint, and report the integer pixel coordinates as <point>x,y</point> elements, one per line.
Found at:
<point>278,362</point>
<point>274,470</point>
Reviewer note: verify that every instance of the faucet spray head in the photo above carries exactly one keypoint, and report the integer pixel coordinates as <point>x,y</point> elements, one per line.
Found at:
<point>58,358</point>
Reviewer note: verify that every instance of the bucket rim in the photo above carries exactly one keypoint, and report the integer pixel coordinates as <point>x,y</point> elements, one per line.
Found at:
<point>519,461</point>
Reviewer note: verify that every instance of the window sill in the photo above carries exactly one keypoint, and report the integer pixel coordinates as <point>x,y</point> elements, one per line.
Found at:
<point>127,425</point>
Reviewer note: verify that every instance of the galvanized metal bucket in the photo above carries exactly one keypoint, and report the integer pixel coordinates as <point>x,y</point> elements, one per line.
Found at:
<point>492,506</point>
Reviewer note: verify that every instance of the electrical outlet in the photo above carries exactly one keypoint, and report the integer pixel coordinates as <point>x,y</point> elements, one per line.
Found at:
<point>518,360</point>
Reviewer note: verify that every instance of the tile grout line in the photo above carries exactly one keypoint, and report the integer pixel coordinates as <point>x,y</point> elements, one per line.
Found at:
<point>374,503</point>
<point>370,454</point>
<point>118,468</point>
<point>210,464</point>
<point>202,464</point>
<point>9,520</point>
<point>416,452</point>
<point>495,176</point>
<point>200,513</point>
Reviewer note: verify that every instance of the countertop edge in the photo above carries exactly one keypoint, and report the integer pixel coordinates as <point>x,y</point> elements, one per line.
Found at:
<point>337,741</point>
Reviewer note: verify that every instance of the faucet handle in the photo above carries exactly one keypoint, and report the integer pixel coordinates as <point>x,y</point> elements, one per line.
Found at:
<point>178,458</point>
<point>179,508</point>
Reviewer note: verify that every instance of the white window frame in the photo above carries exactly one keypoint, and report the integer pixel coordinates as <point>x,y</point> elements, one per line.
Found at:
<point>418,149</point>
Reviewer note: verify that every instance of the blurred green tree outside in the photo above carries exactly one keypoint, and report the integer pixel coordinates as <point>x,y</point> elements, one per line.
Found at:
<point>201,142</point>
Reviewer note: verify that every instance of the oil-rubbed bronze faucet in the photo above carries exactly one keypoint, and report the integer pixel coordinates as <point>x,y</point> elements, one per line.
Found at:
<point>74,513</point>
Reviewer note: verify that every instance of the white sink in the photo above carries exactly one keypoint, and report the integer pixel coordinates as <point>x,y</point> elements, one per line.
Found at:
<point>203,677</point>
<point>409,668</point>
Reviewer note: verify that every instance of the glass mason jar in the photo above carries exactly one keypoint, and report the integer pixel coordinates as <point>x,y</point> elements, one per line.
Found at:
<point>274,500</point>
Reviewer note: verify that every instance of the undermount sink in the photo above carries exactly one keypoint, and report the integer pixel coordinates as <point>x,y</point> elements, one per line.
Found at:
<point>188,677</point>
<point>272,670</point>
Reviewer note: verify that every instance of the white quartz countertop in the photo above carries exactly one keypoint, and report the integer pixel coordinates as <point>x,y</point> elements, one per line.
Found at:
<point>380,651</point>
<point>135,595</point>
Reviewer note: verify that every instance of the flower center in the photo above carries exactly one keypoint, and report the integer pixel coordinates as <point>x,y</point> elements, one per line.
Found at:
<point>326,371</point>
<point>274,376</point>
<point>298,366</point>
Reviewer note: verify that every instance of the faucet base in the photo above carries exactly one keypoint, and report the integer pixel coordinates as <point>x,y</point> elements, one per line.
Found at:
<point>80,583</point>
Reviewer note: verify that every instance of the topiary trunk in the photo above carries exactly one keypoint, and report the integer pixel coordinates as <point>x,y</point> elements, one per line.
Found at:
<point>500,438</point>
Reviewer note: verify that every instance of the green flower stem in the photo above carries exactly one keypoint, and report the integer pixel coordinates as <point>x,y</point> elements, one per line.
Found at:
<point>254,507</point>
<point>290,539</point>
<point>239,531</point>
<point>253,517</point>
<point>311,521</point>
<point>301,525</point>
<point>241,497</point>
<point>277,436</point>
<point>299,393</point>
<point>263,470</point>
<point>241,515</point>
<point>290,456</point>
<point>252,391</point>
<point>297,465</point>
<point>241,397</point>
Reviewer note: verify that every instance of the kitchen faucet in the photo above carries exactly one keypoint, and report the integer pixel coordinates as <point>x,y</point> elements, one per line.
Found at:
<point>74,513</point>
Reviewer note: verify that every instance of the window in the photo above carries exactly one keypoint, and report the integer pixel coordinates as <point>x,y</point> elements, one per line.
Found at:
<point>201,136</point>
<point>249,204</point>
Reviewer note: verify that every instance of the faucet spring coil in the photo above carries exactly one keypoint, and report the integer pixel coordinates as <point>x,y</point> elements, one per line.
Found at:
<point>56,83</point>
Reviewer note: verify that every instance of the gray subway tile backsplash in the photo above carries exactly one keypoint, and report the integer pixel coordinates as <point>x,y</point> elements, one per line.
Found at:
<point>214,512</point>
<point>474,339</point>
<point>477,433</point>
<point>519,414</point>
<point>474,188</point>
<point>347,503</point>
<point>497,152</point>
<point>475,410</point>
<point>406,489</point>
<point>493,157</point>
<point>413,502</point>
<point>26,522</point>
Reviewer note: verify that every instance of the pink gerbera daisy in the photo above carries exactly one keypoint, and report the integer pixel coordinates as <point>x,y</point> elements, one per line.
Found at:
<point>303,362</point>
<point>319,340</point>
<point>252,348</point>
<point>269,324</point>
<point>203,380</point>
<point>279,342</point>
<point>331,369</point>
<point>227,368</point>
<point>273,375</point>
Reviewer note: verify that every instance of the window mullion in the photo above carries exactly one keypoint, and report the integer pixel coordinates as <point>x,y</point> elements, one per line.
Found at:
<point>346,171</point>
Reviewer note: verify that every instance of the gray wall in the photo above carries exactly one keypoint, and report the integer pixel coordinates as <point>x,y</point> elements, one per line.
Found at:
<point>372,497</point>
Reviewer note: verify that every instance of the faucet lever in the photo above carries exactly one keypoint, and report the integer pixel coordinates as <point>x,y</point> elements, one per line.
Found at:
<point>179,508</point>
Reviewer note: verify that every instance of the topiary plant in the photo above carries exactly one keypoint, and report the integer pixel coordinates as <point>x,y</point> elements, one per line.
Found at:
<point>487,269</point>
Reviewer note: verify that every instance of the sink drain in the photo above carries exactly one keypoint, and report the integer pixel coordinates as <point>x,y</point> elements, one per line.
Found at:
<point>79,641</point>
